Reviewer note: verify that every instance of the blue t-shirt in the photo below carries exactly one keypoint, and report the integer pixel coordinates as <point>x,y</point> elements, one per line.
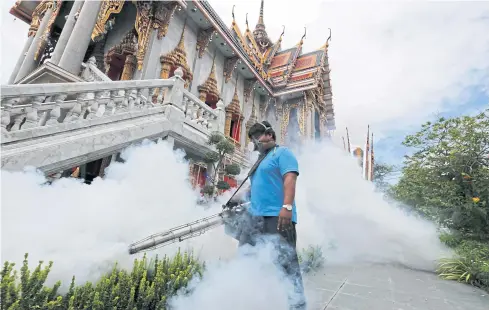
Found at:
<point>267,185</point>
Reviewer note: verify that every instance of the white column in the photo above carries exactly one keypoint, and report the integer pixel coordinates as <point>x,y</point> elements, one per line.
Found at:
<point>21,59</point>
<point>66,32</point>
<point>80,37</point>
<point>29,63</point>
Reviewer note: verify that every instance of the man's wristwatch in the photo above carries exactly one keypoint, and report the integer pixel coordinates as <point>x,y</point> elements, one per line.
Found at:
<point>287,207</point>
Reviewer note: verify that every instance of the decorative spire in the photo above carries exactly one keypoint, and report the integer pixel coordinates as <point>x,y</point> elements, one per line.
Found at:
<point>253,119</point>
<point>178,57</point>
<point>210,85</point>
<point>234,107</point>
<point>260,18</point>
<point>182,37</point>
<point>260,34</point>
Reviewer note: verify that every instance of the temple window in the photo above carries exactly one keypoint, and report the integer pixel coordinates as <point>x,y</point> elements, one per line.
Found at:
<point>120,60</point>
<point>198,175</point>
<point>234,119</point>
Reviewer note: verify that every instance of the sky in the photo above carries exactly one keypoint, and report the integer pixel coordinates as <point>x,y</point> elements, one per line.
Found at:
<point>394,64</point>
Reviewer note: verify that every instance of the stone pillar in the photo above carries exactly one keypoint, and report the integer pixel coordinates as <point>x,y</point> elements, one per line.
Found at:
<point>80,37</point>
<point>221,117</point>
<point>171,141</point>
<point>174,98</point>
<point>27,45</point>
<point>29,63</point>
<point>164,74</point>
<point>153,49</point>
<point>66,32</point>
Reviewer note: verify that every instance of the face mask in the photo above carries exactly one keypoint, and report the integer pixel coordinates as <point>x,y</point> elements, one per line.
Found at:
<point>257,145</point>
<point>251,146</point>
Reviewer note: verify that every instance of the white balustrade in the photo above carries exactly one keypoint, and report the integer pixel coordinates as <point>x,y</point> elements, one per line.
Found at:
<point>198,113</point>
<point>30,106</point>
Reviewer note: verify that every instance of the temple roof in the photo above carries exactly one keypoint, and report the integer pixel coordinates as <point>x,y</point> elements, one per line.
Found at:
<point>285,70</point>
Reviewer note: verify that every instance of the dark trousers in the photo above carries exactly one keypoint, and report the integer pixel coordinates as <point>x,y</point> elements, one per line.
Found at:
<point>254,229</point>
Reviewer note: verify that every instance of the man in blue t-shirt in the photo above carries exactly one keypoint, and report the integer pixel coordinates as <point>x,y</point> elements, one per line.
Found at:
<point>273,210</point>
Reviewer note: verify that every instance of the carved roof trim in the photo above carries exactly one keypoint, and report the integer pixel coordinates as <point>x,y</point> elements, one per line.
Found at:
<point>108,8</point>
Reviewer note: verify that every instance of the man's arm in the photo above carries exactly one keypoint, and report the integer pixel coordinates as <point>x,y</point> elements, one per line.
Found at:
<point>290,179</point>
<point>289,169</point>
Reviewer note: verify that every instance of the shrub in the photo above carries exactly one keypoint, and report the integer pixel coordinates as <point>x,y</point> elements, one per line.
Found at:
<point>148,286</point>
<point>471,265</point>
<point>311,259</point>
<point>223,148</point>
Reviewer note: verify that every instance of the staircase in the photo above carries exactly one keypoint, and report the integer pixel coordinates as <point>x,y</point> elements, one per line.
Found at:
<point>60,125</point>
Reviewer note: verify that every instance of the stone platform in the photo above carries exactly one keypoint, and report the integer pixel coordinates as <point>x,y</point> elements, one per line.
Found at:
<point>380,287</point>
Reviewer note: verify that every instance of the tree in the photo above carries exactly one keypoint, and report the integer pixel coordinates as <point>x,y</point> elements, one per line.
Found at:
<point>381,173</point>
<point>224,148</point>
<point>447,177</point>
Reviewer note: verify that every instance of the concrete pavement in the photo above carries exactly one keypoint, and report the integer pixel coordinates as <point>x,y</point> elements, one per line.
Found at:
<point>384,287</point>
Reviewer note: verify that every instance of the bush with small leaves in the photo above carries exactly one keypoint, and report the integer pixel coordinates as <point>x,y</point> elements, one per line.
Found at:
<point>233,169</point>
<point>311,259</point>
<point>148,286</point>
<point>223,148</point>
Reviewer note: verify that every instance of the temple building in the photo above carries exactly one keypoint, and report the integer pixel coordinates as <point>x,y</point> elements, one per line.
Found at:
<point>171,59</point>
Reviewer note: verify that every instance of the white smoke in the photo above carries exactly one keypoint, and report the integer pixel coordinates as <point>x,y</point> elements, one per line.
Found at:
<point>352,222</point>
<point>85,228</point>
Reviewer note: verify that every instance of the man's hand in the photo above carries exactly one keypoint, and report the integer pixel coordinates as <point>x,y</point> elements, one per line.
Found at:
<point>284,219</point>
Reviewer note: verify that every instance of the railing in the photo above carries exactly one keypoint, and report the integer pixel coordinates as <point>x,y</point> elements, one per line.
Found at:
<point>36,105</point>
<point>31,107</point>
<point>91,73</point>
<point>198,113</point>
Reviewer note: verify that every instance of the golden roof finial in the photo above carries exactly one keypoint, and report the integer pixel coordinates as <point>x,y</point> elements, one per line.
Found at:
<point>326,45</point>
<point>233,14</point>
<point>282,34</point>
<point>304,36</point>
<point>247,26</point>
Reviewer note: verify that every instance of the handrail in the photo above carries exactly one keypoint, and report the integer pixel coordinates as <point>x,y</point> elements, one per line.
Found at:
<point>29,90</point>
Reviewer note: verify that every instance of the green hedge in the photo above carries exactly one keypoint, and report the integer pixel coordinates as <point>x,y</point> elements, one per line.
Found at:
<point>471,264</point>
<point>148,286</point>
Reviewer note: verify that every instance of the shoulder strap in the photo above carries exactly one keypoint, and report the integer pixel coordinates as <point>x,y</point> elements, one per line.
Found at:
<point>250,173</point>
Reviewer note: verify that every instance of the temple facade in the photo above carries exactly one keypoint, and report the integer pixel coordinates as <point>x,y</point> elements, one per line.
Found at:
<point>96,76</point>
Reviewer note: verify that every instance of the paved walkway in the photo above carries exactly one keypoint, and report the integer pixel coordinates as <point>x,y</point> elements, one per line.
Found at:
<point>389,288</point>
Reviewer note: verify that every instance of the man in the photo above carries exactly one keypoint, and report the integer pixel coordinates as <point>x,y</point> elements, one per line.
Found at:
<point>273,212</point>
